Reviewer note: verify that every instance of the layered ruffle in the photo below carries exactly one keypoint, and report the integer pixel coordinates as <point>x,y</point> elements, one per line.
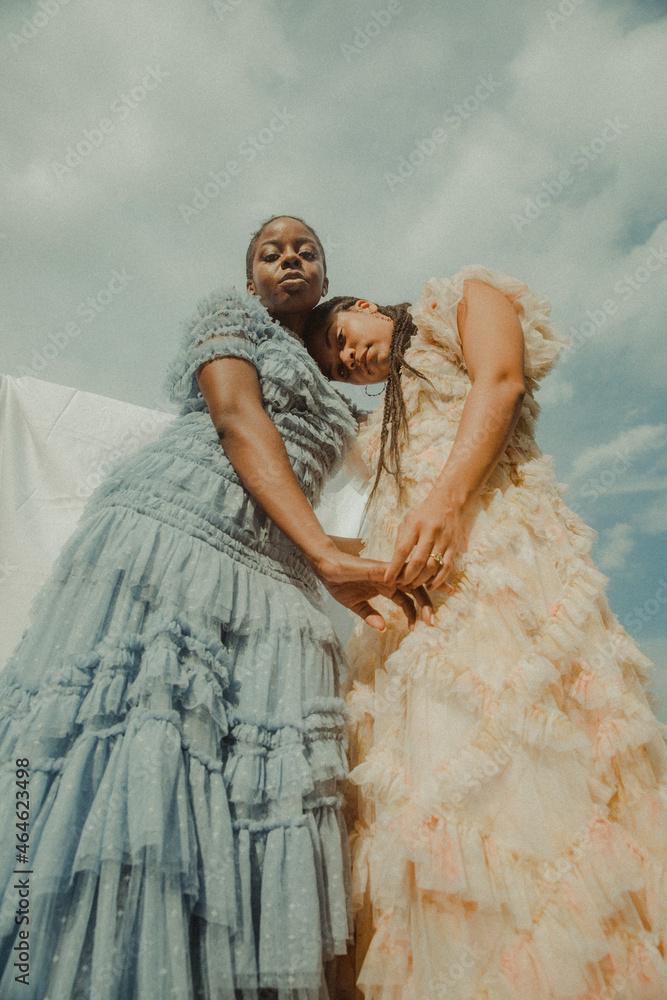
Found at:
<point>188,468</point>
<point>184,772</point>
<point>266,764</point>
<point>510,822</point>
<point>119,556</point>
<point>316,422</point>
<point>177,698</point>
<point>228,318</point>
<point>511,831</point>
<point>434,403</point>
<point>435,316</point>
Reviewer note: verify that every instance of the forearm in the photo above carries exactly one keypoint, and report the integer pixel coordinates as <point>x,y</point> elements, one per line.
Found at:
<point>433,532</point>
<point>257,451</point>
<point>489,417</point>
<point>352,546</point>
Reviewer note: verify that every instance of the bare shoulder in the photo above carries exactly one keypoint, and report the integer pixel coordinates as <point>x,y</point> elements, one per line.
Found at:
<point>482,301</point>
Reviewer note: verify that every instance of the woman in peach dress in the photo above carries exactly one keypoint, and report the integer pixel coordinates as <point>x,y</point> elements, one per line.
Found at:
<point>511,832</point>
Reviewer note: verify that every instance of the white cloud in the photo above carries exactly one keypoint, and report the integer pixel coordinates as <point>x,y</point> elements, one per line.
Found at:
<point>617,544</point>
<point>555,392</point>
<point>622,450</point>
<point>653,520</point>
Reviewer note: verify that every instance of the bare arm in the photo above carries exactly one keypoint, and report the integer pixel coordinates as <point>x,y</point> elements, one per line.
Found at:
<point>352,546</point>
<point>492,341</point>
<point>255,448</point>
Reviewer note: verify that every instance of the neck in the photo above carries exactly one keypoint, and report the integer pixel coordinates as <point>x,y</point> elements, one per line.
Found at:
<point>294,322</point>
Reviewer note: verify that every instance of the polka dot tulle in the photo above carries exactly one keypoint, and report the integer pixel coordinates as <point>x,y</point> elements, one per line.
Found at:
<point>177,697</point>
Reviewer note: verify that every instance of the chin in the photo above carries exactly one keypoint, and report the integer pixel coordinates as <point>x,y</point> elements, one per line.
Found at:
<point>303,298</point>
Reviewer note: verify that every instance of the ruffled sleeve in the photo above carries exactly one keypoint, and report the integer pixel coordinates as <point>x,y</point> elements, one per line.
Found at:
<point>435,316</point>
<point>228,324</point>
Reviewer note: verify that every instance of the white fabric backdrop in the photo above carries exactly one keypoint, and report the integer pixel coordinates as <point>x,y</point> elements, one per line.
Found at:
<point>55,447</point>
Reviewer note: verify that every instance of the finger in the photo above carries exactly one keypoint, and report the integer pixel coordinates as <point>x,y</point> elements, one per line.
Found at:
<point>428,573</point>
<point>406,604</point>
<point>370,615</point>
<point>417,562</point>
<point>371,570</point>
<point>424,604</point>
<point>404,546</point>
<point>439,581</point>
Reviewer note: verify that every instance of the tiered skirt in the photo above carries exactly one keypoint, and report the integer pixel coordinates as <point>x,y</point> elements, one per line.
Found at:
<point>178,705</point>
<point>511,829</point>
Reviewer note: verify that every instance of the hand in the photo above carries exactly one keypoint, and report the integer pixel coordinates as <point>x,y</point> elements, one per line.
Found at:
<point>431,526</point>
<point>354,582</point>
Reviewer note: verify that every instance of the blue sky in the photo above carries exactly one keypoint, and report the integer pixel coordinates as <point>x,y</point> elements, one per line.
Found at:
<point>416,137</point>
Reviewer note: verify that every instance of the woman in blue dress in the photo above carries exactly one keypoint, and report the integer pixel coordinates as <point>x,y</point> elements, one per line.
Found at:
<point>171,735</point>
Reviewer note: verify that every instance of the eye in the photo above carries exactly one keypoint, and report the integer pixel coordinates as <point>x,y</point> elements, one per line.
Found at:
<point>270,256</point>
<point>309,254</point>
<point>340,340</point>
<point>342,372</point>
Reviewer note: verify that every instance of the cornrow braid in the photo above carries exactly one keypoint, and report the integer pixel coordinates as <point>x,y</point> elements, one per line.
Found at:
<point>394,417</point>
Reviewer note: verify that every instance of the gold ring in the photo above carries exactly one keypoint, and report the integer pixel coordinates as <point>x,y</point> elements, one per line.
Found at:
<point>437,556</point>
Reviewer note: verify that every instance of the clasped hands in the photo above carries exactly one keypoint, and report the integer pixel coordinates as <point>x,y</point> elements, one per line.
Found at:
<point>427,542</point>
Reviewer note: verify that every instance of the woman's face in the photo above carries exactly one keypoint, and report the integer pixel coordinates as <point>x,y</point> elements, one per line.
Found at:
<point>288,270</point>
<point>354,346</point>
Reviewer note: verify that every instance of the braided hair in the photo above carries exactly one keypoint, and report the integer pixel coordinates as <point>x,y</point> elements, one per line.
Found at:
<point>394,418</point>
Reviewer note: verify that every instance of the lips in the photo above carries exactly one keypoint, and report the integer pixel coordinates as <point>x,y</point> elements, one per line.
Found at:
<point>292,276</point>
<point>364,361</point>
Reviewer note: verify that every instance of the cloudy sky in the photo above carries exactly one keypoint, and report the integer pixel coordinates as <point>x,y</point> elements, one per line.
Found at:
<point>144,141</point>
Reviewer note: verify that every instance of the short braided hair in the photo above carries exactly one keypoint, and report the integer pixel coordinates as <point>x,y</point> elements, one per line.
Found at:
<point>254,240</point>
<point>394,418</point>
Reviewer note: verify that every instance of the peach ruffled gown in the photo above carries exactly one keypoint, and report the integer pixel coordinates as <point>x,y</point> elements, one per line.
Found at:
<point>511,831</point>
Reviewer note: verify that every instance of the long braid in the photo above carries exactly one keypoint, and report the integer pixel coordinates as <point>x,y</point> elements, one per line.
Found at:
<point>394,417</point>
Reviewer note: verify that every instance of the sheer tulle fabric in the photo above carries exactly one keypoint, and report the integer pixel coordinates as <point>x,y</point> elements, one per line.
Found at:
<point>511,831</point>
<point>177,697</point>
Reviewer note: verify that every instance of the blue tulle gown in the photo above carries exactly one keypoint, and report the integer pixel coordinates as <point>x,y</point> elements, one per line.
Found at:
<point>176,696</point>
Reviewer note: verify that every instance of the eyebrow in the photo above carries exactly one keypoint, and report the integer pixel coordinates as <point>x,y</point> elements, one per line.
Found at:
<point>297,243</point>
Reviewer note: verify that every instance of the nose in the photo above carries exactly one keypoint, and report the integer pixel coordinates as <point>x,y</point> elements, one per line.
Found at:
<point>291,260</point>
<point>348,356</point>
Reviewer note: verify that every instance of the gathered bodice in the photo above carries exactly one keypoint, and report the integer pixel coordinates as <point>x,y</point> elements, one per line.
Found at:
<point>185,478</point>
<point>434,404</point>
